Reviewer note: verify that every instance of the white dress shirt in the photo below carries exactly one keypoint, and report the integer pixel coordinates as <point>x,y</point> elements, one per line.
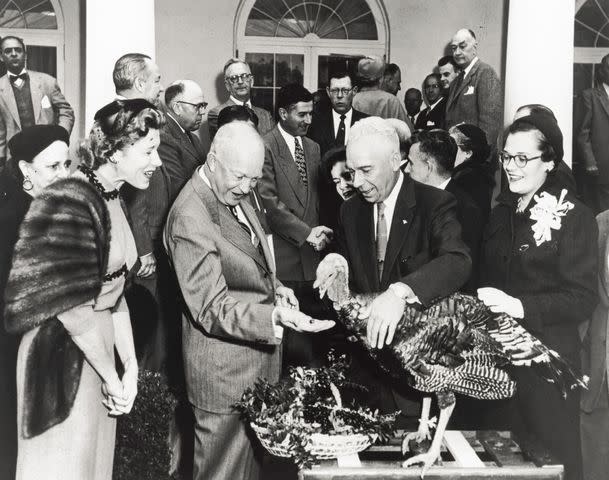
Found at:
<point>289,139</point>
<point>442,186</point>
<point>240,102</point>
<point>469,67</point>
<point>389,202</point>
<point>336,121</point>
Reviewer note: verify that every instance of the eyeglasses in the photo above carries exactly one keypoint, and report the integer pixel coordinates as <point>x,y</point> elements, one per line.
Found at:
<point>520,160</point>
<point>343,91</point>
<point>244,77</point>
<point>198,106</point>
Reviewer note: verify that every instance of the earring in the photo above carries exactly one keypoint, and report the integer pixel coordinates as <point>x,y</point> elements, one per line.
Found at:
<point>27,184</point>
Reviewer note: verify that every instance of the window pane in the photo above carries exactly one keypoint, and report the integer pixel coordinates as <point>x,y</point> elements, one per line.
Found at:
<point>289,69</point>
<point>591,24</point>
<point>40,59</point>
<point>333,63</point>
<point>27,14</point>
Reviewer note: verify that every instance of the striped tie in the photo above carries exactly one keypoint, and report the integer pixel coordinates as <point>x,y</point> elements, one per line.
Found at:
<point>381,238</point>
<point>299,158</point>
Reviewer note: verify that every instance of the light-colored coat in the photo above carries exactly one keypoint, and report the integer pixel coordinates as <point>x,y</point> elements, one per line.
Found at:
<point>54,110</point>
<point>228,287</point>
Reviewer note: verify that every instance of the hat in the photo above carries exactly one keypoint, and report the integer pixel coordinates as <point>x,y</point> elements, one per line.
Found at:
<point>30,141</point>
<point>547,125</point>
<point>370,68</point>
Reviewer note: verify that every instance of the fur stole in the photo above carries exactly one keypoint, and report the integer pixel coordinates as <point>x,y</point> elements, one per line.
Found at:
<point>59,263</point>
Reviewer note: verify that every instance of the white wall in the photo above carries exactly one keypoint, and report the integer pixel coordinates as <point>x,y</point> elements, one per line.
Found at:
<point>194,38</point>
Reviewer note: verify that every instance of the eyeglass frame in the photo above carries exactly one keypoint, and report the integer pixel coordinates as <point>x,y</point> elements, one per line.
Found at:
<point>343,91</point>
<point>518,159</point>
<point>198,106</point>
<point>234,79</point>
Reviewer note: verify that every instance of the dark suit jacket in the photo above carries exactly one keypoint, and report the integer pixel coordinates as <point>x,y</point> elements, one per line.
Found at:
<point>228,287</point>
<point>472,225</point>
<point>292,208</point>
<point>425,249</point>
<point>265,119</point>
<point>430,119</point>
<point>593,131</point>
<point>478,100</point>
<point>322,129</point>
<point>148,208</point>
<point>55,110</point>
<point>477,180</point>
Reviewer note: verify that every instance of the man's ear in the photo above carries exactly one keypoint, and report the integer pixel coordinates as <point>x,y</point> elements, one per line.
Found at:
<point>211,161</point>
<point>355,90</point>
<point>395,161</point>
<point>283,113</point>
<point>138,84</point>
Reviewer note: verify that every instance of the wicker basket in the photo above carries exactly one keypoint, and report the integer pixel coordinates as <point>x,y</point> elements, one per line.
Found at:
<point>323,446</point>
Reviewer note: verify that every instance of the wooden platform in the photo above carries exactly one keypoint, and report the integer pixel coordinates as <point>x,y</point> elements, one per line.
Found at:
<point>466,455</point>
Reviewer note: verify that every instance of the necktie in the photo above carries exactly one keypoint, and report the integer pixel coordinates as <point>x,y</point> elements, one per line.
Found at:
<point>412,119</point>
<point>14,78</point>
<point>299,158</point>
<point>340,133</point>
<point>381,238</point>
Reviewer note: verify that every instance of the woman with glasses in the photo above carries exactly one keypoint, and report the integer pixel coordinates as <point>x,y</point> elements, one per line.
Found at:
<point>539,265</point>
<point>65,293</point>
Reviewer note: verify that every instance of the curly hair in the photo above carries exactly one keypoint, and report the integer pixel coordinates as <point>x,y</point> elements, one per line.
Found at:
<point>125,125</point>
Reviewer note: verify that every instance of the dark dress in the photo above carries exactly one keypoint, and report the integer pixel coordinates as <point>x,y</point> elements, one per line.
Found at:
<point>14,203</point>
<point>477,179</point>
<point>556,283</point>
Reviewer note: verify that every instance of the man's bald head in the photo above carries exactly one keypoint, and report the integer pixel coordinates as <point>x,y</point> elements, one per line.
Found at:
<point>185,101</point>
<point>234,162</point>
<point>464,47</point>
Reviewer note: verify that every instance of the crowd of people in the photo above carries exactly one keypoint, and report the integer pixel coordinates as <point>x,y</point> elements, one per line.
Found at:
<point>158,253</point>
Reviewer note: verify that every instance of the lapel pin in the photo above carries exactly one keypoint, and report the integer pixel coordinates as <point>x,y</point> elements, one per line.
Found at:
<point>404,221</point>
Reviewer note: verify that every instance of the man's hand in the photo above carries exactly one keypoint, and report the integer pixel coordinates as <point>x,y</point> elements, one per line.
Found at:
<point>284,297</point>
<point>112,391</point>
<point>500,302</point>
<point>300,322</point>
<point>319,237</point>
<point>386,311</point>
<point>147,265</point>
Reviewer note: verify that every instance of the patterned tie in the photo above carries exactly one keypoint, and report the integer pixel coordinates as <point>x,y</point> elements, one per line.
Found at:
<point>381,238</point>
<point>299,158</point>
<point>340,133</point>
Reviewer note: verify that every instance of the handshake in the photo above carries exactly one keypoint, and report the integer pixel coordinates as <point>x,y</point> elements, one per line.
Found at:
<point>320,237</point>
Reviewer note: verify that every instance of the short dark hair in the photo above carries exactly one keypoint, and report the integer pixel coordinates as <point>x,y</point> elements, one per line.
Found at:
<point>391,69</point>
<point>234,113</point>
<point>127,68</point>
<point>432,75</point>
<point>331,158</point>
<point>537,108</point>
<point>548,153</point>
<point>173,91</point>
<point>291,94</point>
<point>438,145</point>
<point>446,60</point>
<point>12,37</point>
<point>471,32</point>
<point>416,90</point>
<point>340,73</point>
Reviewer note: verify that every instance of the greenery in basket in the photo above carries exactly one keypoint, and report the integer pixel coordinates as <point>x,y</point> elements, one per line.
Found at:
<point>308,402</point>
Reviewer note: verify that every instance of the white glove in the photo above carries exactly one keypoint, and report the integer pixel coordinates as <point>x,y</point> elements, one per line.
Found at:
<point>500,302</point>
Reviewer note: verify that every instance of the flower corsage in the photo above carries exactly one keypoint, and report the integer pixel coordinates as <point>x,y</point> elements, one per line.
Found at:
<point>547,213</point>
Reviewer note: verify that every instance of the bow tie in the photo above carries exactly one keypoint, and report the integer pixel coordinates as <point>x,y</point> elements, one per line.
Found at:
<point>13,78</point>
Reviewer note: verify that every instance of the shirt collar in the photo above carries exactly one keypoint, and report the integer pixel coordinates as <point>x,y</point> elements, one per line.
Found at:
<point>391,200</point>
<point>606,87</point>
<point>469,67</point>
<point>347,115</point>
<point>443,185</point>
<point>240,102</point>
<point>10,74</point>
<point>288,137</point>
<point>175,120</point>
<point>431,107</point>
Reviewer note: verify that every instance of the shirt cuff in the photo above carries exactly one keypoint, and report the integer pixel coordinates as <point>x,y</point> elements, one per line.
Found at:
<point>278,329</point>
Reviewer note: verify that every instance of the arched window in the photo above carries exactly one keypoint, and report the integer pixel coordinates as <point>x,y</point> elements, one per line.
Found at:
<point>591,40</point>
<point>40,24</point>
<point>287,41</point>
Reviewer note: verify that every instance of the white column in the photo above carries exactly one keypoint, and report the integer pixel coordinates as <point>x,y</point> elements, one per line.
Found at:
<point>539,60</point>
<point>113,28</point>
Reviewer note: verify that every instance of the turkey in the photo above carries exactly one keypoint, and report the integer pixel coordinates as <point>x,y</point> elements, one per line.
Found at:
<point>455,345</point>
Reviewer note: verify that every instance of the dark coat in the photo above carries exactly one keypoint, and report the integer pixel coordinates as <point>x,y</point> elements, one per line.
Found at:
<point>593,129</point>
<point>322,129</point>
<point>430,119</point>
<point>425,249</point>
<point>472,224</point>
<point>477,180</point>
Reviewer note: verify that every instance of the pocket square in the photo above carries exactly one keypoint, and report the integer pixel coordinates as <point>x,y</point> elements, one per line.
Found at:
<point>470,90</point>
<point>430,123</point>
<point>45,102</point>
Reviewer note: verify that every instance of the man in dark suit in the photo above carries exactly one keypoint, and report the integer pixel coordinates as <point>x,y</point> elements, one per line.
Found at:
<point>238,80</point>
<point>592,141</point>
<point>289,191</point>
<point>432,116</point>
<point>448,71</point>
<point>27,97</point>
<point>476,94</point>
<point>400,237</point>
<point>413,101</point>
<point>330,128</point>
<point>235,309</point>
<point>431,161</point>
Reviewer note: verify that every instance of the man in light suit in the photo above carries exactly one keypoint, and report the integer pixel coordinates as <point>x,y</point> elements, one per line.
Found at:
<point>27,97</point>
<point>238,80</point>
<point>592,144</point>
<point>235,309</point>
<point>475,96</point>
<point>289,191</point>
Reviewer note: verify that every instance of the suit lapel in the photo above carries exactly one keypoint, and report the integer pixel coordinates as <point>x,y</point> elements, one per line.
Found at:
<point>252,218</point>
<point>604,100</point>
<point>9,98</point>
<point>36,91</point>
<point>467,81</point>
<point>184,140</point>
<point>310,167</point>
<point>364,233</point>
<point>288,165</point>
<point>400,225</point>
